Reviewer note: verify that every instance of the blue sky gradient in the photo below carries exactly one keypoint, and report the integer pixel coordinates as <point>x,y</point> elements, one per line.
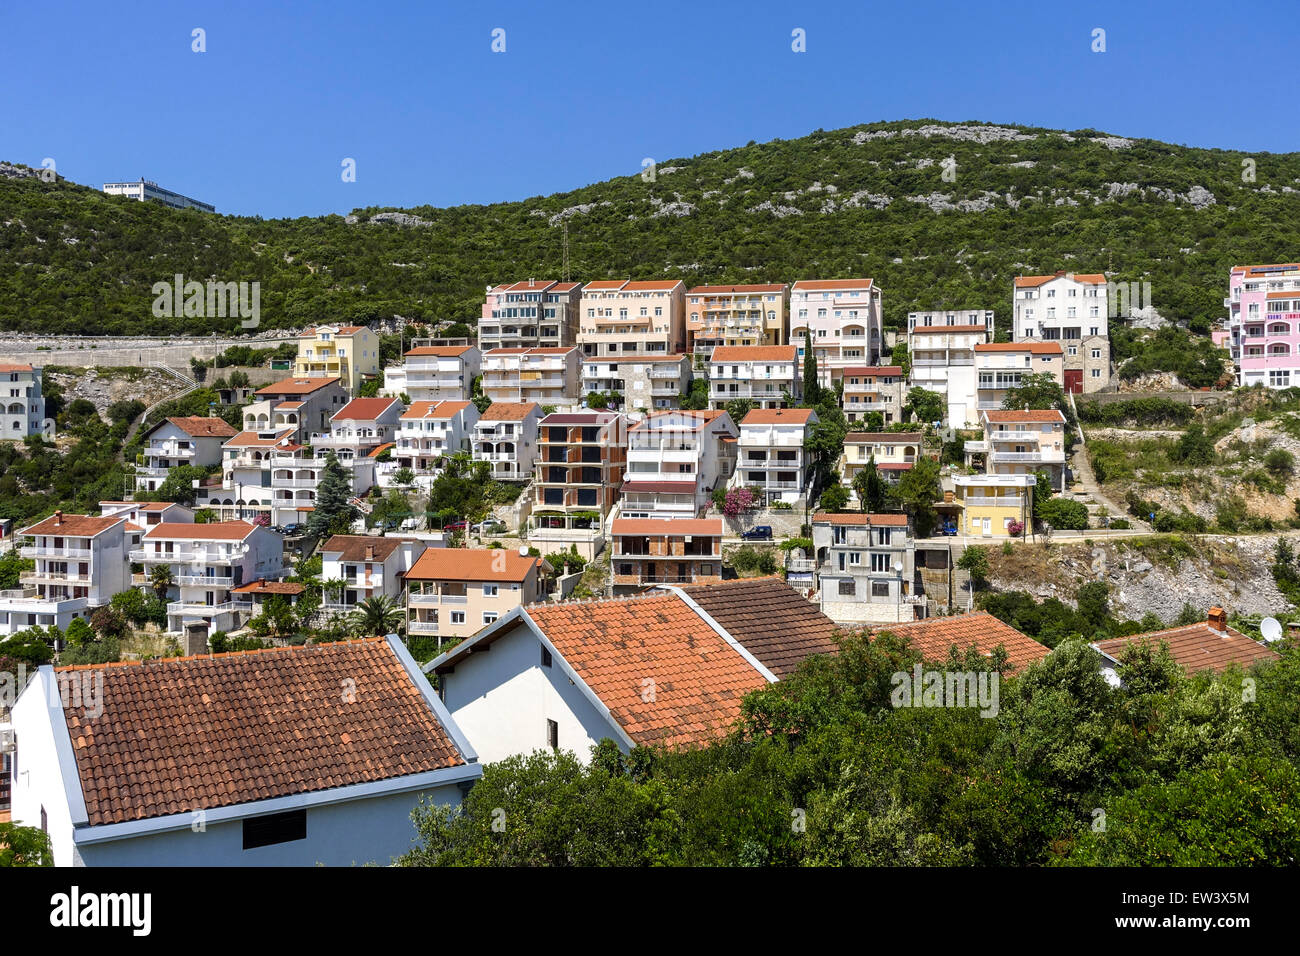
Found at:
<point>260,123</point>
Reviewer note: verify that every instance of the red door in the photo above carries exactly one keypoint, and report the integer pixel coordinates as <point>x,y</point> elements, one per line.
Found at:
<point>1074,380</point>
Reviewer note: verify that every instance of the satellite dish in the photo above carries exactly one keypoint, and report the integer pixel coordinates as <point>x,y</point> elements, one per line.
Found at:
<point>798,554</point>
<point>1271,629</point>
<point>523,551</point>
<point>1111,678</point>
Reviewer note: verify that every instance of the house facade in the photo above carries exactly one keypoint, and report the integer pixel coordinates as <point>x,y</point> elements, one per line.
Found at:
<point>434,373</point>
<point>191,440</point>
<point>22,406</point>
<point>645,382</point>
<point>581,459</point>
<point>767,375</point>
<point>674,461</point>
<point>1263,305</point>
<point>990,506</point>
<point>547,376</point>
<point>505,436</point>
<point>621,316</point>
<point>533,313</point>
<point>665,551</point>
<point>735,315</point>
<point>456,592</point>
<point>349,353</point>
<point>941,347</point>
<point>999,366</point>
<point>771,452</point>
<point>304,405</point>
<point>895,453</point>
<point>866,568</point>
<point>361,567</point>
<point>1072,310</point>
<point>842,320</point>
<point>874,388</point>
<point>429,430</point>
<point>1024,443</point>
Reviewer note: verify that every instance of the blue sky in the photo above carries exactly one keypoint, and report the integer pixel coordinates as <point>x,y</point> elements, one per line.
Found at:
<point>260,123</point>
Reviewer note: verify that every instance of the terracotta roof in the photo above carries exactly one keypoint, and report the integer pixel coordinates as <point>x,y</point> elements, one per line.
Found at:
<point>199,427</point>
<point>508,411</point>
<point>531,285</point>
<point>677,419</point>
<point>1036,348</point>
<point>861,520</point>
<point>1280,295</point>
<point>934,636</point>
<point>831,285</point>
<point>473,564</point>
<point>1198,647</point>
<point>1031,416</point>
<point>340,329</point>
<point>261,586</point>
<point>876,438</point>
<point>752,353</point>
<point>73,526</point>
<point>879,370</point>
<point>777,416</point>
<point>605,285</point>
<point>726,289</point>
<point>615,646</point>
<point>1090,278</point>
<point>297,386</point>
<point>289,406</point>
<point>355,546</point>
<point>212,531</point>
<point>7,367</point>
<point>380,449</point>
<point>659,487</point>
<point>434,410</point>
<point>364,409</point>
<point>932,329</point>
<point>251,438</point>
<point>1265,270</point>
<point>189,733</point>
<point>653,285</point>
<point>707,527</point>
<point>894,465</point>
<point>770,618</point>
<point>442,351</point>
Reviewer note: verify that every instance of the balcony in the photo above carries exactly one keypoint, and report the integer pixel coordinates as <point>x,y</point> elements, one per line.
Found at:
<point>419,599</point>
<point>992,501</point>
<point>186,557</point>
<point>40,552</point>
<point>976,447</point>
<point>203,580</point>
<point>208,610</point>
<point>422,627</point>
<point>38,577</point>
<point>851,406</point>
<point>1022,456</point>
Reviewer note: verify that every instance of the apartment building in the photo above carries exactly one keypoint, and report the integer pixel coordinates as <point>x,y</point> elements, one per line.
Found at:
<point>581,458</point>
<point>1000,366</point>
<point>303,404</point>
<point>735,315</point>
<point>349,353</point>
<point>146,190</point>
<point>772,457</point>
<point>456,592</point>
<point>767,375</point>
<point>505,436</point>
<point>942,350</point>
<point>535,313</point>
<point>645,382</point>
<point>206,562</point>
<point>79,564</point>
<point>1023,443</point>
<point>192,440</point>
<point>619,316</point>
<point>866,568</point>
<point>874,388</point>
<point>243,492</point>
<point>429,430</point>
<point>990,506</point>
<point>895,453</point>
<point>1264,324</point>
<point>674,461</point>
<point>1070,309</point>
<point>547,376</point>
<point>367,567</point>
<point>434,373</point>
<point>145,514</point>
<point>359,431</point>
<point>665,551</point>
<point>844,320</point>
<point>21,400</point>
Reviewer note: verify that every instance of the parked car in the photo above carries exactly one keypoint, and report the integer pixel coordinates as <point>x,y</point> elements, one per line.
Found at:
<point>760,532</point>
<point>491,526</point>
<point>293,528</point>
<point>948,529</point>
<point>455,526</point>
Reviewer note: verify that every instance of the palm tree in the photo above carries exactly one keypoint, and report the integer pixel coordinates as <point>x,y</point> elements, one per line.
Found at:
<point>160,579</point>
<point>376,616</point>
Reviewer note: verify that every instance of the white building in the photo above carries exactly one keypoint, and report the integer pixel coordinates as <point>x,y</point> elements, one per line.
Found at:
<point>547,376</point>
<point>843,317</point>
<point>146,190</point>
<point>22,406</point>
<point>645,382</point>
<point>434,373</point>
<point>768,375</point>
<point>206,561</point>
<point>192,440</point>
<point>247,759</point>
<point>80,563</point>
<point>429,430</point>
<point>1069,309</point>
<point>357,433</point>
<point>674,461</point>
<point>305,405</point>
<point>866,568</point>
<point>505,436</point>
<point>369,567</point>
<point>772,456</point>
<point>1023,442</point>
<point>941,347</point>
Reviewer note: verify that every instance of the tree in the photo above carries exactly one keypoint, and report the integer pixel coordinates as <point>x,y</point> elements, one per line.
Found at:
<point>834,498</point>
<point>179,484</point>
<point>277,618</point>
<point>975,561</point>
<point>109,621</point>
<point>333,513</point>
<point>902,357</point>
<point>24,846</point>
<point>376,616</point>
<point>1093,601</point>
<point>79,632</point>
<point>812,390</point>
<point>926,406</point>
<point>738,408</point>
<point>12,564</point>
<point>916,492</point>
<point>870,487</point>
<point>1194,447</point>
<point>1037,390</point>
<point>1063,514</point>
<point>1042,492</point>
<point>160,579</point>
<point>697,398</point>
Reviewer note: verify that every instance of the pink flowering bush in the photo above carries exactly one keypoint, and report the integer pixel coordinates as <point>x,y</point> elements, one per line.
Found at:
<point>737,501</point>
<point>1015,529</point>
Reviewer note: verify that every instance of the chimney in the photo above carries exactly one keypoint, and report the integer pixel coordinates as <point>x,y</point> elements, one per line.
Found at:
<point>370,552</point>
<point>58,517</point>
<point>1218,619</point>
<point>531,283</point>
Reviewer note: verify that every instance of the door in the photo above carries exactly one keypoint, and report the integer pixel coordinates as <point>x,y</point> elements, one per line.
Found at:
<point>988,527</point>
<point>1074,380</point>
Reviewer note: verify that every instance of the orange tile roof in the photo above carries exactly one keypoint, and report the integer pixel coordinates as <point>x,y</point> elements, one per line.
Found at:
<point>654,527</point>
<point>752,353</point>
<point>777,416</point>
<point>615,646</point>
<point>677,419</point>
<point>1090,278</point>
<point>261,586</point>
<point>338,329</point>
<point>364,409</point>
<point>861,520</point>
<point>728,289</point>
<point>473,564</point>
<point>1036,416</point>
<point>831,285</point>
<point>1035,348</point>
<point>508,411</point>
<point>219,730</point>
<point>297,386</point>
<point>356,547</point>
<point>16,368</point>
<point>1197,647</point>
<point>197,426</point>
<point>605,285</point>
<point>380,449</point>
<point>73,526</point>
<point>442,351</point>
<point>212,531</point>
<point>253,439</point>
<point>434,410</point>
<point>653,285</point>
<point>934,636</point>
<point>531,285</point>
<point>1264,271</point>
<point>1281,295</point>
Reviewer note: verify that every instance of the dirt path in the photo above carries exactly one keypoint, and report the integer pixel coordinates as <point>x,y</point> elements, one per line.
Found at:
<point>1081,467</point>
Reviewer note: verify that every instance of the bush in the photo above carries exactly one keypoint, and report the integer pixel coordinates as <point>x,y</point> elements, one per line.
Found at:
<point>1064,514</point>
<point>748,559</point>
<point>1120,524</point>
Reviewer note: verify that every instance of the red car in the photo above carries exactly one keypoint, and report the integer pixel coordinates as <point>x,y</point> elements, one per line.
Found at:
<point>455,526</point>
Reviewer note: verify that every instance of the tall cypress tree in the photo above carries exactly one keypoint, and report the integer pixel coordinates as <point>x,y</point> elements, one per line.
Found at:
<point>811,387</point>
<point>332,512</point>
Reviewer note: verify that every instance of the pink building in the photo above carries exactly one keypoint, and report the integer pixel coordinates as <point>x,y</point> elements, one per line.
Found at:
<point>1264,324</point>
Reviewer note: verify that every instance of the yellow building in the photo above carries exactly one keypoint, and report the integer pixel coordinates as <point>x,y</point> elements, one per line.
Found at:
<point>350,352</point>
<point>895,453</point>
<point>987,505</point>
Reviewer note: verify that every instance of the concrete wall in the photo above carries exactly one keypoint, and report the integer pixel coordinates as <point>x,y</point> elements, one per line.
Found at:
<point>120,351</point>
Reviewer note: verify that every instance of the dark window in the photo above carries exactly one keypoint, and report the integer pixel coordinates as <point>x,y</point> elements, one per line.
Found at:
<point>546,657</point>
<point>275,828</point>
<point>553,735</point>
<point>45,821</point>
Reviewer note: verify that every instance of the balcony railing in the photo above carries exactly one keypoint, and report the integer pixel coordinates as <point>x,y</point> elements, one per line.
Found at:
<point>998,501</point>
<point>422,627</point>
<point>1014,456</point>
<point>33,577</point>
<point>39,552</point>
<point>203,580</point>
<point>976,447</point>
<point>181,607</point>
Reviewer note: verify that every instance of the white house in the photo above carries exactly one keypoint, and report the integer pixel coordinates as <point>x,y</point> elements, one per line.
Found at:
<point>429,430</point>
<point>505,436</point>
<point>368,566</point>
<point>768,375</point>
<point>192,440</point>
<point>22,407</point>
<point>941,347</point>
<point>291,756</point>
<point>434,373</point>
<point>1070,309</point>
<point>674,461</point>
<point>772,456</point>
<point>304,404</point>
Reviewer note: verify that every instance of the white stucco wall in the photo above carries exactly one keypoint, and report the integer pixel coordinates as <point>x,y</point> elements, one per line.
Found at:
<point>38,777</point>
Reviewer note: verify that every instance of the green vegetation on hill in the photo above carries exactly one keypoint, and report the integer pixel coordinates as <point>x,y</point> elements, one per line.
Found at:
<point>868,200</point>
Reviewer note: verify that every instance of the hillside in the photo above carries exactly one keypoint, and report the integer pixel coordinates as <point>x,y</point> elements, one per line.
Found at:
<point>869,200</point>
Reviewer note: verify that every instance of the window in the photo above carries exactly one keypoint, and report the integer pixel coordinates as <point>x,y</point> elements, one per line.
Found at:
<point>489,617</point>
<point>547,660</point>
<point>275,828</point>
<point>847,589</point>
<point>879,562</point>
<point>458,617</point>
<point>490,590</point>
<point>1096,373</point>
<point>1096,353</point>
<point>879,589</point>
<point>553,735</point>
<point>855,557</point>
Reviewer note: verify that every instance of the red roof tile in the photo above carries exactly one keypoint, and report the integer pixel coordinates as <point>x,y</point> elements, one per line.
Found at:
<point>861,520</point>
<point>752,353</point>
<point>212,531</point>
<point>442,351</point>
<point>778,416</point>
<point>1094,278</point>
<point>73,526</point>
<point>473,564</point>
<point>934,636</point>
<point>1034,348</point>
<point>831,285</point>
<point>508,411</point>
<point>297,386</point>
<point>1197,647</point>
<point>199,427</point>
<point>655,527</point>
<point>364,409</point>
<point>1036,416</point>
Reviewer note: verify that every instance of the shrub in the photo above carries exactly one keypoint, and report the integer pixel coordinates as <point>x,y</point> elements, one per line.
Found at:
<point>1064,514</point>
<point>1120,524</point>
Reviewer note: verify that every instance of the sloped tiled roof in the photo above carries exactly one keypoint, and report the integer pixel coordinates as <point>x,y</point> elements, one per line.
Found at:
<point>441,351</point>
<point>434,410</point>
<point>1198,647</point>
<point>197,426</point>
<point>617,646</point>
<point>770,618</point>
<point>214,731</point>
<point>508,411</point>
<point>752,353</point>
<point>212,531</point>
<point>831,285</point>
<point>297,386</point>
<point>1033,416</point>
<point>473,564</point>
<point>364,409</point>
<point>261,586</point>
<point>730,289</point>
<point>933,637</point>
<point>1089,278</point>
<point>1034,348</point>
<point>73,526</point>
<point>706,527</point>
<point>861,520</point>
<point>876,438</point>
<point>353,547</point>
<point>778,416</point>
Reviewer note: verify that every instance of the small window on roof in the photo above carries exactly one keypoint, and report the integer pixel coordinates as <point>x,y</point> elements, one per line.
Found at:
<point>546,657</point>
